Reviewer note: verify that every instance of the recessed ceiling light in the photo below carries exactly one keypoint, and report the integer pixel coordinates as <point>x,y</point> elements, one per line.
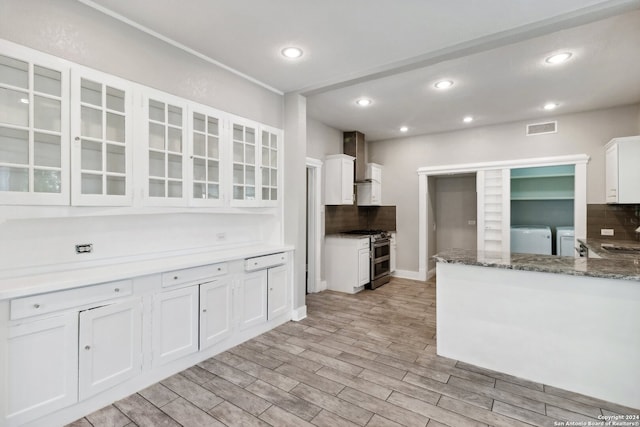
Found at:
<point>550,106</point>
<point>404,129</point>
<point>443,84</point>
<point>292,52</point>
<point>364,102</point>
<point>558,58</point>
<point>468,119</point>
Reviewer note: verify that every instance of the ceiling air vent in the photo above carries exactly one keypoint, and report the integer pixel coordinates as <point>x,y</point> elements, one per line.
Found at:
<point>542,128</point>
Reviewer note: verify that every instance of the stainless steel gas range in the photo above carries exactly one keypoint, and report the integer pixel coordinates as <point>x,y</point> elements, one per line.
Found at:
<point>380,256</point>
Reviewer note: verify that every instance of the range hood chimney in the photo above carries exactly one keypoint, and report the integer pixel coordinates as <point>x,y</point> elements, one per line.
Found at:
<point>354,146</point>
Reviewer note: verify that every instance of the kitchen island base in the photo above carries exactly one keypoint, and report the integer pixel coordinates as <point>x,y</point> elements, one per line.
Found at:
<point>572,332</point>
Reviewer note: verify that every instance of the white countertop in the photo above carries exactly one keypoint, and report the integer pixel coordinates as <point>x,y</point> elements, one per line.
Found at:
<point>23,282</point>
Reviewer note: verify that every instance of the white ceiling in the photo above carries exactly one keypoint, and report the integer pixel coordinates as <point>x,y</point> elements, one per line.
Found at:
<point>392,51</point>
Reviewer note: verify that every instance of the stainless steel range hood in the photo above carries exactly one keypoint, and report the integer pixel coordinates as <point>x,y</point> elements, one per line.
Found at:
<point>354,145</point>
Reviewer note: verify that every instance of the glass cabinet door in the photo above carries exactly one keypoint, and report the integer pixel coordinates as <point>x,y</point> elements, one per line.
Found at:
<point>244,161</point>
<point>269,165</point>
<point>102,146</point>
<point>206,157</point>
<point>33,132</point>
<point>166,139</point>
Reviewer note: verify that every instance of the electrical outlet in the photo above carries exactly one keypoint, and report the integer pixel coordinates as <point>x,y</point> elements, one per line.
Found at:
<point>606,231</point>
<point>220,237</point>
<point>84,248</point>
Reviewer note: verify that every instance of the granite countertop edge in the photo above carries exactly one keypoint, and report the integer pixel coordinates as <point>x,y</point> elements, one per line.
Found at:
<point>620,269</point>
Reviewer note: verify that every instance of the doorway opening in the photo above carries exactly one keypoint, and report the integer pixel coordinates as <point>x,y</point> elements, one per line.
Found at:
<point>313,226</point>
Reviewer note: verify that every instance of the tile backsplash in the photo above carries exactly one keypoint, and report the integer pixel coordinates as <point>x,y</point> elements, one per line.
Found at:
<point>623,219</point>
<point>341,218</point>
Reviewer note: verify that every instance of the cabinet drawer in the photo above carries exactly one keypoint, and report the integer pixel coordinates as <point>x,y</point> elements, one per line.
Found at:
<point>62,300</point>
<point>195,274</point>
<point>363,244</point>
<point>265,261</point>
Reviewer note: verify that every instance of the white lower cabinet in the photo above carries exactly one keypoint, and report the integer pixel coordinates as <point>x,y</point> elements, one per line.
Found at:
<point>277,299</point>
<point>175,324</point>
<point>110,342</point>
<point>73,347</point>
<point>252,303</point>
<point>43,360</point>
<point>215,311</point>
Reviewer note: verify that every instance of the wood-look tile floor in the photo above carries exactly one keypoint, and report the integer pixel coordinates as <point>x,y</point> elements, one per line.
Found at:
<point>356,360</point>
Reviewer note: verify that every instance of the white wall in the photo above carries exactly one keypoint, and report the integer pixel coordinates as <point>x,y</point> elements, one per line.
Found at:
<point>70,30</point>
<point>582,133</point>
<point>322,140</point>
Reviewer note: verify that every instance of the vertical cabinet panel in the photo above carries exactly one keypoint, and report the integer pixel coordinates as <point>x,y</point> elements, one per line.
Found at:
<point>215,312</point>
<point>277,299</point>
<point>207,154</point>
<point>271,140</point>
<point>175,324</point>
<point>102,131</point>
<point>245,161</point>
<point>364,267</point>
<point>165,133</point>
<point>494,223</point>
<point>43,360</point>
<point>34,129</point>
<point>252,304</point>
<point>110,343</point>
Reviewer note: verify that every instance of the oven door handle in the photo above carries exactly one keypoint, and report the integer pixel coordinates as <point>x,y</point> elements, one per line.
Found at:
<point>381,243</point>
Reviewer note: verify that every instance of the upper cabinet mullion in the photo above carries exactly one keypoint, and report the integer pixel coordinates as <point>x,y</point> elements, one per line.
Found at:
<point>102,147</point>
<point>208,147</point>
<point>34,128</point>
<point>164,129</point>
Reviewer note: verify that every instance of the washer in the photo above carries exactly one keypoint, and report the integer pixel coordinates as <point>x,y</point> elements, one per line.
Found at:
<point>531,239</point>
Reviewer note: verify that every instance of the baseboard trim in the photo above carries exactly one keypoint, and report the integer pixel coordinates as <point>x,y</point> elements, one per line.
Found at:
<point>322,286</point>
<point>431,273</point>
<point>406,274</point>
<point>299,313</point>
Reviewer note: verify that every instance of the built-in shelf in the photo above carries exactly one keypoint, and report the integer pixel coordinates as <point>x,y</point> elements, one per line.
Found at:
<point>543,183</point>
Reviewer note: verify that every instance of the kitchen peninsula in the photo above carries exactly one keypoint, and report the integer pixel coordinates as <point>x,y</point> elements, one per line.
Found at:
<point>572,323</point>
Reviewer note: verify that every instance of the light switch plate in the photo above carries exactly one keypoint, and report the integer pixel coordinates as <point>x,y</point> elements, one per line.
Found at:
<point>606,231</point>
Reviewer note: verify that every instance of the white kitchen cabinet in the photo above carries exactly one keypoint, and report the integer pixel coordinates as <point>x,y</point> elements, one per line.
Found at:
<point>373,172</point>
<point>175,324</point>
<point>102,132</point>
<point>208,149</point>
<point>43,361</point>
<point>245,161</point>
<point>622,173</point>
<point>34,128</point>
<point>369,193</point>
<point>110,346</point>
<point>271,141</point>
<point>216,299</point>
<point>252,301</point>
<point>348,263</point>
<point>165,135</point>
<point>277,298</point>
<point>339,180</point>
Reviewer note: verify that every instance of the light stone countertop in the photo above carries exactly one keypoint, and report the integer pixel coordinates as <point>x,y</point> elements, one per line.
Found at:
<point>15,284</point>
<point>595,245</point>
<point>619,268</point>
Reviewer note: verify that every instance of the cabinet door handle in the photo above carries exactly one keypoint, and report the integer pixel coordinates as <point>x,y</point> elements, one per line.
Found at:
<point>116,290</point>
<point>204,310</point>
<point>175,277</point>
<point>271,289</point>
<point>36,306</point>
<point>87,347</point>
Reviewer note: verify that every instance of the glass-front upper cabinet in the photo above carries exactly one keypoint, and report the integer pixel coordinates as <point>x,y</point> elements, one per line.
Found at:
<point>165,127</point>
<point>34,130</point>
<point>245,161</point>
<point>271,139</point>
<point>207,151</point>
<point>102,131</point>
